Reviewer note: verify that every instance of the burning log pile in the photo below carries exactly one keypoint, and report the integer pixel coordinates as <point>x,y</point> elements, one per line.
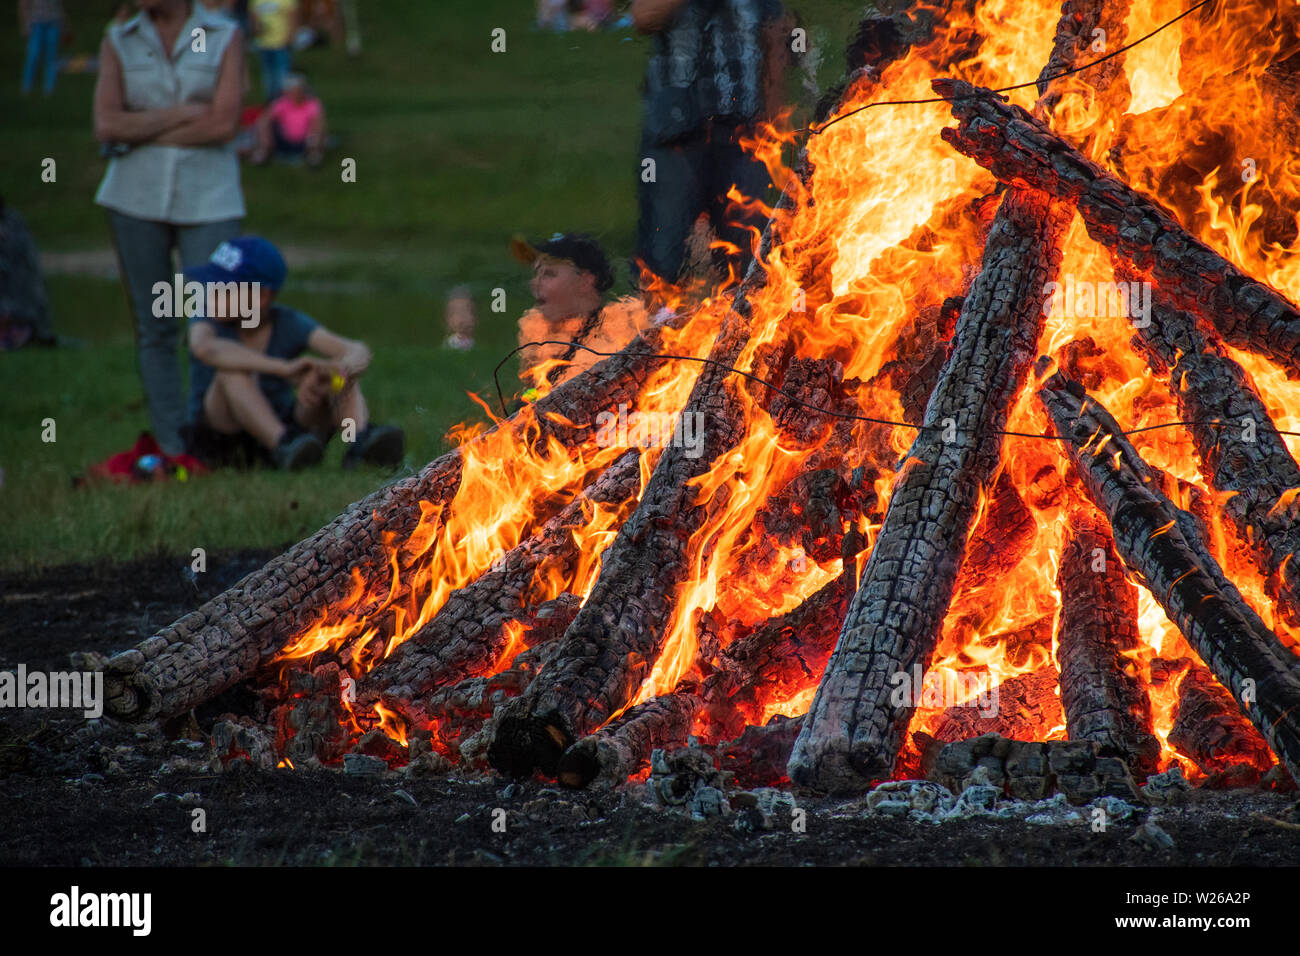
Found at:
<point>1012,592</point>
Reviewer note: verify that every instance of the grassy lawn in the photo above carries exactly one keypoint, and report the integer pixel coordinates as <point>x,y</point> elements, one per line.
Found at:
<point>456,148</point>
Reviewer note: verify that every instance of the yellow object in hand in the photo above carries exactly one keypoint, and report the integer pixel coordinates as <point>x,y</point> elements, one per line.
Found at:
<point>337,382</point>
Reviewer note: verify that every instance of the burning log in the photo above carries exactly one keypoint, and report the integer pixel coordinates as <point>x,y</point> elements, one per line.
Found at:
<point>1103,699</point>
<point>758,756</point>
<point>472,628</point>
<point>1076,32</point>
<point>1164,546</point>
<point>1239,446</point>
<point>238,631</point>
<point>1209,729</point>
<point>614,753</point>
<point>1020,150</point>
<point>777,661</point>
<point>455,712</point>
<point>1019,708</point>
<point>616,638</point>
<point>853,732</point>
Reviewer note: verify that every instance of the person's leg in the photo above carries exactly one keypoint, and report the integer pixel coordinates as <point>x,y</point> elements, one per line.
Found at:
<point>729,164</point>
<point>52,31</point>
<point>32,57</point>
<point>144,259</point>
<point>670,204</point>
<point>285,147</point>
<point>351,26</point>
<point>267,61</point>
<point>197,243</point>
<point>280,69</point>
<point>234,403</point>
<point>265,141</point>
<point>316,140</point>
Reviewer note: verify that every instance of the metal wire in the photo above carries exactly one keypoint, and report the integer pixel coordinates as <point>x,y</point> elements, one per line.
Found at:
<point>817,131</point>
<point>826,411</point>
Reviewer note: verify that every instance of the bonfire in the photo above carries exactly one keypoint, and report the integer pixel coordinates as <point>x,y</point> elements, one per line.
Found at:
<point>998,436</point>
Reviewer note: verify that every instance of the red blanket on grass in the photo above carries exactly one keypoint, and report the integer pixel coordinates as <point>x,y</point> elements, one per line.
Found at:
<point>125,466</point>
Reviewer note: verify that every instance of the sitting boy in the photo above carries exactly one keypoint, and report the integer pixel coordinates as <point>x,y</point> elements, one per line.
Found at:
<point>243,371</point>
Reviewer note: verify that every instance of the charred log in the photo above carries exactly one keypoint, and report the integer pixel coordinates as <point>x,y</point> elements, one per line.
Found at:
<point>779,660</point>
<point>616,638</point>
<point>1238,444</point>
<point>1020,150</point>
<point>614,753</point>
<point>1163,545</point>
<point>1020,708</point>
<point>473,628</point>
<point>853,732</point>
<point>1100,689</point>
<point>758,756</point>
<point>229,637</point>
<point>1209,728</point>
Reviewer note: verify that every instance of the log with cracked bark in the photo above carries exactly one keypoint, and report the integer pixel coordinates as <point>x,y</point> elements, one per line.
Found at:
<point>1239,446</point>
<point>613,753</point>
<point>459,709</point>
<point>775,662</point>
<point>229,637</point>
<point>616,638</point>
<point>1098,627</point>
<point>1164,546</point>
<point>1081,24</point>
<point>853,732</point>
<point>758,755</point>
<point>1209,728</point>
<point>1019,708</point>
<point>1020,150</point>
<point>471,629</point>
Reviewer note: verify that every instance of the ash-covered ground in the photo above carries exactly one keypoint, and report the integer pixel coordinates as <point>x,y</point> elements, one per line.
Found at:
<point>106,794</point>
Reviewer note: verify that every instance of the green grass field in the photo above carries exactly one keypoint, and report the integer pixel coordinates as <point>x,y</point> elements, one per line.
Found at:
<point>456,148</point>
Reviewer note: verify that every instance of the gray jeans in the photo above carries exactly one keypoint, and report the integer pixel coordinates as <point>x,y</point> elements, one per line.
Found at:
<point>144,256</point>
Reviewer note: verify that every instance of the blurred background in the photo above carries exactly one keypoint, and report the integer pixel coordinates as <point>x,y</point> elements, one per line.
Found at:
<point>456,149</point>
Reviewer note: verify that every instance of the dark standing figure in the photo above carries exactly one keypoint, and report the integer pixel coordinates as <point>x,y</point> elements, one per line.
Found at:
<point>24,305</point>
<point>714,72</point>
<point>42,22</point>
<point>167,108</point>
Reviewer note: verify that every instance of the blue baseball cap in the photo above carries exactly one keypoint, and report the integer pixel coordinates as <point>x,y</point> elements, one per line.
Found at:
<point>245,259</point>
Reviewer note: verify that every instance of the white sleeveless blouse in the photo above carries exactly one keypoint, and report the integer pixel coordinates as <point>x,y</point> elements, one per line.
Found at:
<point>182,185</point>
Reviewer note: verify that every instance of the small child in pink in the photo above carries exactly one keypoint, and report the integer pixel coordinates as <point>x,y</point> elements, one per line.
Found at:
<point>294,124</point>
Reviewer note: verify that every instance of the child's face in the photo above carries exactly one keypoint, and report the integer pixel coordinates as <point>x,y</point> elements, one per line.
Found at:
<point>234,304</point>
<point>560,290</point>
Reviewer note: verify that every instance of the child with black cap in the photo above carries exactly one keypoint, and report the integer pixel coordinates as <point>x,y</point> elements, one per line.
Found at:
<point>254,394</point>
<point>571,274</point>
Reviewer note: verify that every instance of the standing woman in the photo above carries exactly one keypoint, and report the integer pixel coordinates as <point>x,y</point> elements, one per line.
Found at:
<point>167,104</point>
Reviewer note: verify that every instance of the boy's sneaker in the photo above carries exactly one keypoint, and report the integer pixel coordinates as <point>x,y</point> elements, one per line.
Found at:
<point>298,451</point>
<point>377,445</point>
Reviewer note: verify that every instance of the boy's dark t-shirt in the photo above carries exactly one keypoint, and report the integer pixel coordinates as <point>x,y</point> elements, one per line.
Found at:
<point>290,330</point>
